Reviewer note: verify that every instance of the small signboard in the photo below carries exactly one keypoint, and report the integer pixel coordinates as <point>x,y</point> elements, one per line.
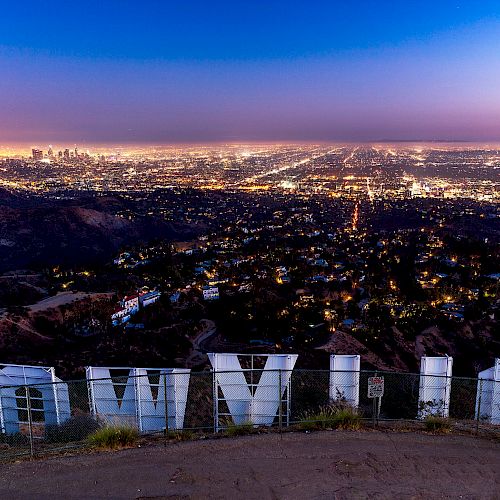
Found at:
<point>375,387</point>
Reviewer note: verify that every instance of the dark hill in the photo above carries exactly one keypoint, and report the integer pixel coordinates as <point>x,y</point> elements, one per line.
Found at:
<point>55,234</point>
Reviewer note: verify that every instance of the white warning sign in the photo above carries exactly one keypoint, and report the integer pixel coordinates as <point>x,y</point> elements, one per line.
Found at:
<point>375,387</point>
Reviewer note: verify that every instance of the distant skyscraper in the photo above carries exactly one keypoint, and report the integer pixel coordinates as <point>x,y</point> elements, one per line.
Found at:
<point>50,152</point>
<point>416,189</point>
<point>37,154</point>
<point>66,154</point>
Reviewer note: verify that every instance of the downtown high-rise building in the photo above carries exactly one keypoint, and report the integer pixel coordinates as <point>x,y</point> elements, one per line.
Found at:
<point>37,154</point>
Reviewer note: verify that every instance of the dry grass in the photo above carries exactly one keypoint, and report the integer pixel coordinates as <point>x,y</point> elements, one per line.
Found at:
<point>436,424</point>
<point>180,435</point>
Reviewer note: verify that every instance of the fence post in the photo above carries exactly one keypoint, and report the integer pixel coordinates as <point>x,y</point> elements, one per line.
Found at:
<point>379,404</point>
<point>478,415</point>
<point>30,421</point>
<point>166,405</point>
<point>216,402</point>
<point>374,407</point>
<point>280,399</point>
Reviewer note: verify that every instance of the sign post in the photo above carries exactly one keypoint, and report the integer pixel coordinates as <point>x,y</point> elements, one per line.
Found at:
<point>375,392</point>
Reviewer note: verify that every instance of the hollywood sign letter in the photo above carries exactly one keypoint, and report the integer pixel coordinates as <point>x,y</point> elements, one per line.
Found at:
<point>257,403</point>
<point>136,396</point>
<point>435,386</point>
<point>48,397</point>
<point>344,378</point>
<point>488,394</point>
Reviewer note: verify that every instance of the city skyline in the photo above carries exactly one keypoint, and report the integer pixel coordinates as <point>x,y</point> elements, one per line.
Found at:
<point>437,170</point>
<point>274,73</point>
<point>133,150</point>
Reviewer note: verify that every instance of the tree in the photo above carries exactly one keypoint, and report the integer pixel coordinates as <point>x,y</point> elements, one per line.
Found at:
<point>378,318</point>
<point>414,318</point>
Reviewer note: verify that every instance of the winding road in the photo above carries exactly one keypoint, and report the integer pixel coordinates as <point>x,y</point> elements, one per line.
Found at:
<point>197,352</point>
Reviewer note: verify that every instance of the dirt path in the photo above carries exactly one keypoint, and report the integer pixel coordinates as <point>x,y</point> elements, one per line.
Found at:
<point>319,465</point>
<point>63,298</point>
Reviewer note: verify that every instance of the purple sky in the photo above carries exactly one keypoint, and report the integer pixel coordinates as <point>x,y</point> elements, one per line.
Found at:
<point>444,84</point>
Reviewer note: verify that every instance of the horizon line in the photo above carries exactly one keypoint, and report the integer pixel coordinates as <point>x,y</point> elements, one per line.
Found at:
<point>33,144</point>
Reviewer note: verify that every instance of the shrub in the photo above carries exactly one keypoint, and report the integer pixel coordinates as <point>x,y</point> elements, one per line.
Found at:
<point>75,429</point>
<point>439,425</point>
<point>332,417</point>
<point>431,408</point>
<point>113,437</point>
<point>14,440</point>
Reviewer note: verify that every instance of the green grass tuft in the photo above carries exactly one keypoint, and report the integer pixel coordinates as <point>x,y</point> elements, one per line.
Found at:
<point>332,417</point>
<point>244,429</point>
<point>113,437</point>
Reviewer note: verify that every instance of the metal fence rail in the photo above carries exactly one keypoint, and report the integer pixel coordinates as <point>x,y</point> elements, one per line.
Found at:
<point>34,420</point>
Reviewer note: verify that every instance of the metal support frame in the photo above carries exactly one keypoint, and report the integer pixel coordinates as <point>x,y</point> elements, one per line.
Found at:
<point>215,388</point>
<point>2,422</point>
<point>166,402</point>
<point>284,392</point>
<point>280,407</point>
<point>30,420</point>
<point>478,412</point>
<point>56,396</point>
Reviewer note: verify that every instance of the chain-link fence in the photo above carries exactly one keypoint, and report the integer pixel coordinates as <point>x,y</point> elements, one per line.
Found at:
<point>40,418</point>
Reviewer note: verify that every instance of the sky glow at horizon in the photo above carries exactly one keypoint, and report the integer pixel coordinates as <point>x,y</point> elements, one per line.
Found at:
<point>167,73</point>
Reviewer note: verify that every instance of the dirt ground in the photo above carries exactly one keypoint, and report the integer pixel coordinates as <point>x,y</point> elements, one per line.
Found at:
<point>333,465</point>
